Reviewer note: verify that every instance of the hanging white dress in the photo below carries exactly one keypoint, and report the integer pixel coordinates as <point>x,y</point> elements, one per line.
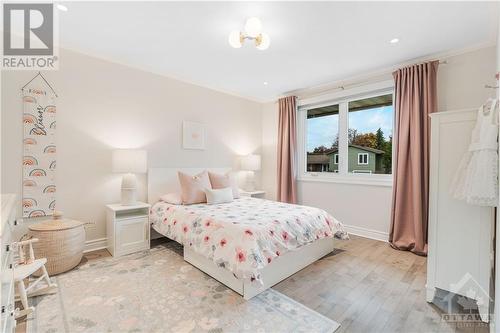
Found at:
<point>476,180</point>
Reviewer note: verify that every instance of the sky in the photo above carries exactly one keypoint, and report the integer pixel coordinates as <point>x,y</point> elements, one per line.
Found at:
<point>323,130</point>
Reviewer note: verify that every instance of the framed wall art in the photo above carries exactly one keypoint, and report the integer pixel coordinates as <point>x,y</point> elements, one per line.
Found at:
<point>193,135</point>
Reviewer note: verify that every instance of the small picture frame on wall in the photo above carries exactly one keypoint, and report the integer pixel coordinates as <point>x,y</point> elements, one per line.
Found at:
<point>193,135</point>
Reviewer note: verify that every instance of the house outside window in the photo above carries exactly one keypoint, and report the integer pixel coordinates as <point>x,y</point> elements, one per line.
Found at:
<point>348,139</point>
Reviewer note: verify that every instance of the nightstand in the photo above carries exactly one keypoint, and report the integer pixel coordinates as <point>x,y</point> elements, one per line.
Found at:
<point>127,228</point>
<point>253,194</point>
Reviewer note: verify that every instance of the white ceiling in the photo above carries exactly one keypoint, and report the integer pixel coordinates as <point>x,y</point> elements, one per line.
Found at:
<point>311,43</point>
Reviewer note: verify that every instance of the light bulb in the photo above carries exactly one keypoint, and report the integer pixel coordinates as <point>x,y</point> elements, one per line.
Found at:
<point>253,27</point>
<point>62,7</point>
<point>235,39</point>
<point>264,42</point>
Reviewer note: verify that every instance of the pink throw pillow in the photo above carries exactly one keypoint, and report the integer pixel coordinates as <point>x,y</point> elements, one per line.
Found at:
<point>192,187</point>
<point>223,181</point>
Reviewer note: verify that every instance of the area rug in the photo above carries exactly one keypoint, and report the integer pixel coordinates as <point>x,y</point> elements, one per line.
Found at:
<point>157,291</point>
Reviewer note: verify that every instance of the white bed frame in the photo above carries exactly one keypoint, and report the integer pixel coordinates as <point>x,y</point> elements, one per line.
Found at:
<point>164,180</point>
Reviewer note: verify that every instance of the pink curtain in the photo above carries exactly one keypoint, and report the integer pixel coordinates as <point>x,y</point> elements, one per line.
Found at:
<point>287,144</point>
<point>416,98</point>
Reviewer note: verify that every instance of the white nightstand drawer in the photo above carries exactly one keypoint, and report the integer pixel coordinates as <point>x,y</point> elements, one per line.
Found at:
<point>131,235</point>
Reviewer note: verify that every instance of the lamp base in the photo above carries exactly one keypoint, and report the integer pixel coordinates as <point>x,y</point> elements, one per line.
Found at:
<point>129,190</point>
<point>250,182</point>
<point>129,196</point>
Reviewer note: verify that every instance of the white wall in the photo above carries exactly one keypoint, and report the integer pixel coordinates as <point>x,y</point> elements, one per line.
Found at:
<point>461,81</point>
<point>269,149</point>
<point>366,209</point>
<point>103,105</point>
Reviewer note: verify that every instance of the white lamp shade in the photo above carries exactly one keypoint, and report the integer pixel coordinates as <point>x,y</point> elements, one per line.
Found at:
<point>250,163</point>
<point>265,42</point>
<point>130,161</point>
<point>235,39</point>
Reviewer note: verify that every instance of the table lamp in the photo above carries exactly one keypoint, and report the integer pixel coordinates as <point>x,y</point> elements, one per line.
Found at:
<point>129,162</point>
<point>250,163</point>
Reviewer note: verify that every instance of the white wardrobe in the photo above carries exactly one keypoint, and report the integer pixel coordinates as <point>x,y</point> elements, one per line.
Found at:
<point>460,236</point>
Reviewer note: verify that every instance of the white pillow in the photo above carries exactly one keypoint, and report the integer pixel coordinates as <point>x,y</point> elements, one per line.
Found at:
<point>172,198</point>
<point>219,196</point>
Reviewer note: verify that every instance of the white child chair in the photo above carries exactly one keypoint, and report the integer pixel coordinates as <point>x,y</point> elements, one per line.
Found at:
<point>24,270</point>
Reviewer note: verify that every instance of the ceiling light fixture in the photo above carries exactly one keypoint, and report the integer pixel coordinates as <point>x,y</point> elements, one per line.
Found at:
<point>62,7</point>
<point>394,40</point>
<point>265,83</point>
<point>252,31</point>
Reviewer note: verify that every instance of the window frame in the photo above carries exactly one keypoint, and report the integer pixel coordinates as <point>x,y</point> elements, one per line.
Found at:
<point>367,158</point>
<point>342,98</point>
<point>336,158</point>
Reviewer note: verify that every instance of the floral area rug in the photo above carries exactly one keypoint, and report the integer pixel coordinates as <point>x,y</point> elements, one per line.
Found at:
<point>157,291</point>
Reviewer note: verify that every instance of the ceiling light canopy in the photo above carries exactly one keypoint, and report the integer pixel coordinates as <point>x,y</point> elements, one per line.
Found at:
<point>252,31</point>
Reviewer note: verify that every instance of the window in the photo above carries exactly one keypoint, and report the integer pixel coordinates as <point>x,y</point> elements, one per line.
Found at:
<point>348,139</point>
<point>370,134</point>
<point>362,158</point>
<point>322,138</point>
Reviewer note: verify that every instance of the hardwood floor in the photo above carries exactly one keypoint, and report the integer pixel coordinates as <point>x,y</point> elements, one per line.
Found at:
<point>367,286</point>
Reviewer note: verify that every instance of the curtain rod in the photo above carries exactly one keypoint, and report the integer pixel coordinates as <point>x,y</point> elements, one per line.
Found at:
<point>343,87</point>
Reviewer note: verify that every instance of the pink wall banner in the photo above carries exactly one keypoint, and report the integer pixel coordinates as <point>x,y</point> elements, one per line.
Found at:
<point>39,146</point>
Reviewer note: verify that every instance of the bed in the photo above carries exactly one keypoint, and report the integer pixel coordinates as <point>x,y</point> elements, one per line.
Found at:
<point>249,244</point>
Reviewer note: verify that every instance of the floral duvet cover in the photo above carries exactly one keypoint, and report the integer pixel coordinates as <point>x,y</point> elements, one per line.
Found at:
<point>246,234</point>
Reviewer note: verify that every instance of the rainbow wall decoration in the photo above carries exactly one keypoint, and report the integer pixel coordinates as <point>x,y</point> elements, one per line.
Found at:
<point>39,160</point>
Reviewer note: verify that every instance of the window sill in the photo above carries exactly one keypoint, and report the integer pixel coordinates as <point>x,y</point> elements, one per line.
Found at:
<point>372,180</point>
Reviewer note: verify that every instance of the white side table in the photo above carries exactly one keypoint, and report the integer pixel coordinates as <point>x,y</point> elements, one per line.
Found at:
<point>253,194</point>
<point>127,228</point>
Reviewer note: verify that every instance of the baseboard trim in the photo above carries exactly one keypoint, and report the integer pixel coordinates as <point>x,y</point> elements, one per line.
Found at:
<point>367,233</point>
<point>95,244</point>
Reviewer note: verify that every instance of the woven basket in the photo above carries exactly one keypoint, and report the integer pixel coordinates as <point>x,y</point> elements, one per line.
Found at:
<point>61,242</point>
